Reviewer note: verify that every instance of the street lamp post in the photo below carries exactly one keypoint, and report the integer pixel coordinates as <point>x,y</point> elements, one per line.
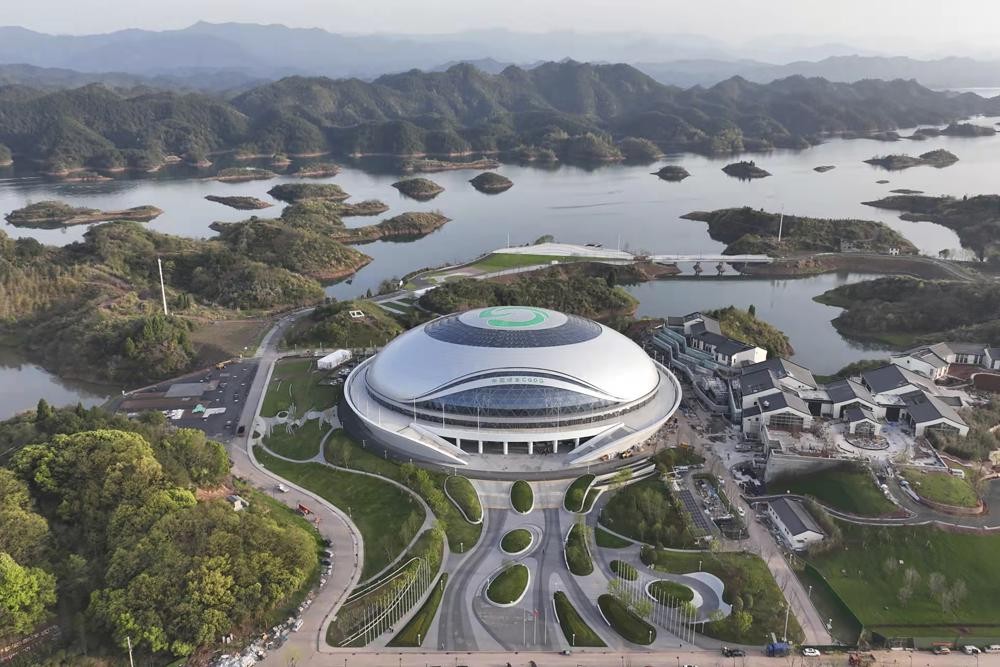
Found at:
<point>810,595</point>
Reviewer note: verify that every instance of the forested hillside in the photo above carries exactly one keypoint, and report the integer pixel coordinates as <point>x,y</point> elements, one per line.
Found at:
<point>103,531</point>
<point>579,111</point>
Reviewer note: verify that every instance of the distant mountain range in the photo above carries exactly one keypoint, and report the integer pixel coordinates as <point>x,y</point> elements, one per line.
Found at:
<point>566,110</point>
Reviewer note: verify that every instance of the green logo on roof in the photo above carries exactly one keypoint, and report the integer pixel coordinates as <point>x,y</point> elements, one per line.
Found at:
<point>508,317</point>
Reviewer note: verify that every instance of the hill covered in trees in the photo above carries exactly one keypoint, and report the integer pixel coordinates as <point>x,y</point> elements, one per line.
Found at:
<point>573,110</point>
<point>104,530</point>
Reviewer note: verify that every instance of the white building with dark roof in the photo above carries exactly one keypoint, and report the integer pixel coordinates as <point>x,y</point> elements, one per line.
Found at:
<point>779,411</point>
<point>794,522</point>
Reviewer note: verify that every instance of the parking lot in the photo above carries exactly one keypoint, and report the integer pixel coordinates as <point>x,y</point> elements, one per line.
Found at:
<point>211,400</point>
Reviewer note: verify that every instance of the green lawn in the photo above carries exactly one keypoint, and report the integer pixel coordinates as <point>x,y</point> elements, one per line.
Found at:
<point>849,488</point>
<point>647,512</point>
<point>625,622</point>
<point>745,576</point>
<point>577,554</point>
<point>300,443</point>
<point>624,570</point>
<point>516,541</point>
<point>942,487</point>
<point>845,626</point>
<point>507,260</point>
<point>295,383</point>
<point>670,593</point>
<point>342,450</point>
<point>508,585</point>
<point>464,495</point>
<point>575,629</point>
<point>521,496</point>
<point>865,571</point>
<point>576,493</point>
<point>609,540</point>
<point>415,631</point>
<point>387,516</point>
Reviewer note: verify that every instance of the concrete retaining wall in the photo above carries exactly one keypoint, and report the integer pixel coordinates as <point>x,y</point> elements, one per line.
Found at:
<point>781,465</point>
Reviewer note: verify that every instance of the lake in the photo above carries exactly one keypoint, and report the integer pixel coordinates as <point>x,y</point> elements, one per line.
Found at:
<point>616,205</point>
<point>22,383</point>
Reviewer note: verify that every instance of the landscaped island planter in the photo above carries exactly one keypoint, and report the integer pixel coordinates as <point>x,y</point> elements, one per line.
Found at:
<point>516,541</point>
<point>507,588</point>
<point>625,622</point>
<point>521,497</point>
<point>577,554</point>
<point>577,492</point>
<point>461,492</point>
<point>670,593</point>
<point>624,570</point>
<point>574,628</point>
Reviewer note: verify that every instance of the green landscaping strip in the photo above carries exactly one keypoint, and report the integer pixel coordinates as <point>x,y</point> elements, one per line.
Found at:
<point>577,554</point>
<point>521,496</point>
<point>574,628</point>
<point>647,511</point>
<point>508,586</point>
<point>414,632</point>
<point>300,443</point>
<point>343,451</point>
<point>624,570</point>
<point>576,493</point>
<point>464,495</point>
<point>942,487</point>
<point>849,488</point>
<point>295,383</point>
<point>610,540</point>
<point>387,516</point>
<point>625,622</point>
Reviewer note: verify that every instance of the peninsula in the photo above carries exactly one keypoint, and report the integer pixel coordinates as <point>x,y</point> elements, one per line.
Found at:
<point>409,225</point>
<point>752,231</point>
<point>243,174</point>
<point>52,214</point>
<point>974,219</point>
<point>426,165</point>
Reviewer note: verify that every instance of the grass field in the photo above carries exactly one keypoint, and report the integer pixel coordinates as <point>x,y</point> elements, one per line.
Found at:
<point>848,488</point>
<point>300,443</point>
<point>647,512</point>
<point>415,631</point>
<point>610,541</point>
<point>516,541</point>
<point>225,339</point>
<point>575,629</point>
<point>342,450</point>
<point>576,493</point>
<point>507,260</point>
<point>624,570</point>
<point>521,496</point>
<point>508,585</point>
<point>625,622</point>
<point>867,574</point>
<point>942,487</point>
<point>387,516</point>
<point>577,555</point>
<point>295,383</point>
<point>464,495</point>
<point>845,627</point>
<point>745,576</point>
<point>670,593</point>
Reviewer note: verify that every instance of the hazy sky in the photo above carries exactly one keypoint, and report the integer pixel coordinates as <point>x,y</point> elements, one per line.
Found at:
<point>895,25</point>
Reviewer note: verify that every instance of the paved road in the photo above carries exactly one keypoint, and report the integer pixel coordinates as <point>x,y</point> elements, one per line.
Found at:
<point>333,524</point>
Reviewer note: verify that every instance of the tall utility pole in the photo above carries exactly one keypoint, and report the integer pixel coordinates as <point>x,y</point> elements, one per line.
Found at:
<point>163,289</point>
<point>129,640</point>
<point>781,223</point>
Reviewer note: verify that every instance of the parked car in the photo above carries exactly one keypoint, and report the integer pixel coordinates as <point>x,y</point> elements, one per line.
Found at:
<point>810,652</point>
<point>971,650</point>
<point>733,652</point>
<point>941,650</point>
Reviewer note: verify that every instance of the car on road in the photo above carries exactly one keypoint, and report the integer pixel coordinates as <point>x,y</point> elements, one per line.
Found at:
<point>281,488</point>
<point>810,652</point>
<point>742,512</point>
<point>941,650</point>
<point>971,650</point>
<point>733,652</point>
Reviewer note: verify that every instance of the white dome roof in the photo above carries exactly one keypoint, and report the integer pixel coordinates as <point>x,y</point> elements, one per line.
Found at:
<point>504,341</point>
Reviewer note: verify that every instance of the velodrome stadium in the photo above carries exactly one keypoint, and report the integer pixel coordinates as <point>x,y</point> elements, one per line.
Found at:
<point>510,388</point>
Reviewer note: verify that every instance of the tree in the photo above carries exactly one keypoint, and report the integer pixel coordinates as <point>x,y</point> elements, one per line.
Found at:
<point>26,594</point>
<point>742,621</point>
<point>752,310</point>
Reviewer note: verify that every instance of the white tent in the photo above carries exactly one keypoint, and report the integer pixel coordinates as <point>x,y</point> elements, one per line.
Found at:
<point>334,359</point>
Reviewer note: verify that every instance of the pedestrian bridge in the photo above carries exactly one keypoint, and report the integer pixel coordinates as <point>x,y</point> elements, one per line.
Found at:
<point>728,259</point>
